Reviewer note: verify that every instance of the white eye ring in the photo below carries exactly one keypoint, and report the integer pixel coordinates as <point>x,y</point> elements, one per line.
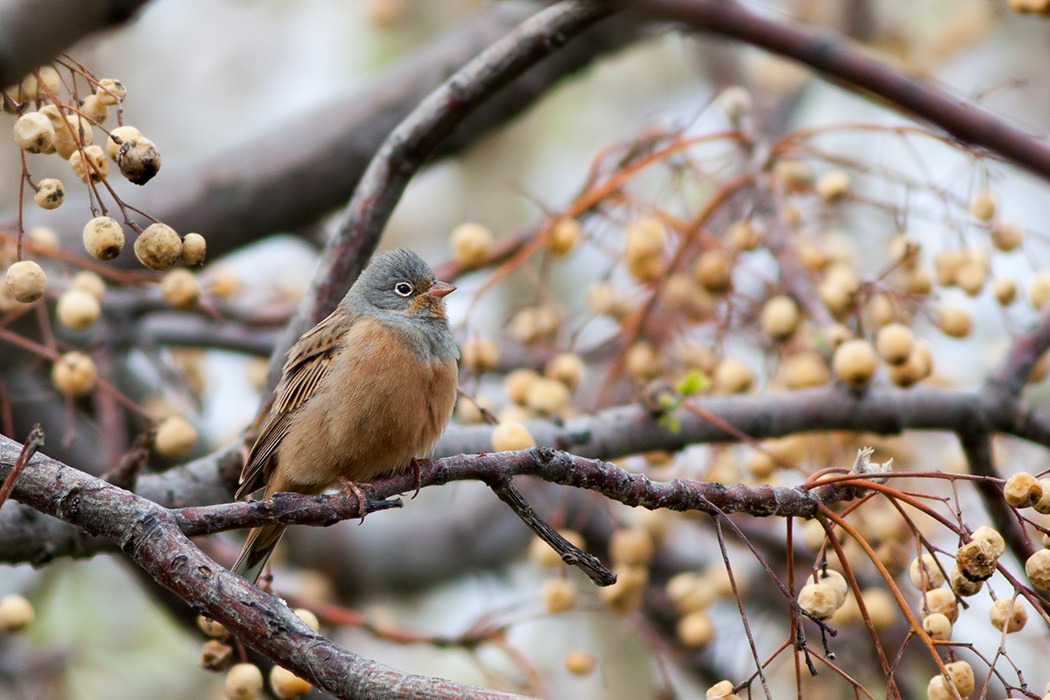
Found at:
<point>403,288</point>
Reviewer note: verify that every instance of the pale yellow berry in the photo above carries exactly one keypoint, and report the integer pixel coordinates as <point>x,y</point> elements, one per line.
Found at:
<point>567,368</point>
<point>970,278</point>
<point>210,627</point>
<point>34,133</point>
<point>74,374</point>
<point>517,384</point>
<point>180,289</point>
<point>194,249</point>
<point>954,322</point>
<point>511,435</point>
<point>882,608</point>
<point>779,317</point>
<point>689,592</point>
<point>946,264</point>
<point>30,88</point>
<point>894,343</point>
<point>1005,290</point>
<point>682,294</point>
<point>579,663</point>
<point>992,536</point>
<point>26,281</point>
<point>1022,490</point>
<point>286,685</point>
<point>919,283</point>
<point>834,580</point>
<point>983,205</point>
<point>938,627</point>
<point>541,552</point>
<point>761,465</point>
<point>535,324</point>
<point>743,236</point>
<point>110,91</point>
<point>121,133</point>
<point>103,238</point>
<point>625,596</point>
<point>244,682</point>
<point>138,160</point>
<point>558,595</point>
<point>819,600</point>
<point>158,247</point>
<point>937,689</point>
<point>976,560</point>
<point>94,109</point>
<point>854,363</point>
<point>72,132</point>
<point>1039,289</point>
<point>833,185</point>
<point>631,547</point>
<point>642,362</point>
<point>714,271</point>
<point>50,193</point>
<point>77,309</point>
<point>1043,504</point>
<point>1007,235</point>
<point>925,574</point>
<point>961,585</point>
<point>918,367</point>
<point>480,355</point>
<point>1037,568</point>
<point>695,630</point>
<point>89,282</point>
<point>216,656</point>
<point>646,239</point>
<point>471,244</point>
<point>309,618</point>
<point>813,257</point>
<point>722,690</point>
<point>904,251</point>
<point>548,396</point>
<point>1008,614</point>
<point>563,236</point>
<point>961,675</point>
<point>89,164</point>
<point>805,369</point>
<point>732,377</point>
<point>175,437</point>
<point>16,613</point>
<point>43,238</point>
<point>941,600</point>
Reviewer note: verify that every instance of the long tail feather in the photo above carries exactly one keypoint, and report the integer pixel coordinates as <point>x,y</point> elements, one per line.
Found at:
<point>257,550</point>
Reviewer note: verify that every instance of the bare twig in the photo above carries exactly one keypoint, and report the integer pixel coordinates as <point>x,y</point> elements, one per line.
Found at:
<point>32,444</point>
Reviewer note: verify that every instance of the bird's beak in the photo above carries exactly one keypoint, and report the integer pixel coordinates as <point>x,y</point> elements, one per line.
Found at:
<point>440,289</point>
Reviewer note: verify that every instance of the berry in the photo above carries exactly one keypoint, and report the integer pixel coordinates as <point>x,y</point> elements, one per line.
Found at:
<point>961,585</point>
<point>925,574</point>
<point>158,247</point>
<point>30,88</point>
<point>16,613</point>
<point>89,164</point>
<point>894,343</point>
<point>286,685</point>
<point>631,547</point>
<point>819,600</point>
<point>517,384</point>
<point>579,663</point>
<point>175,437</point>
<point>216,656</point>
<point>34,133</point>
<point>194,249</point>
<point>210,627</point>
<point>123,133</point>
<point>49,193</point>
<point>779,317</point>
<point>695,630</point>
<point>244,682</point>
<point>941,600</point>
<point>548,396</point>
<point>854,363</point>
<point>309,618</point>
<point>480,355</point>
<point>732,377</point>
<point>722,690</point>
<point>511,435</point>
<point>77,309</point>
<point>1039,289</point>
<point>833,185</point>
<point>1007,235</point>
<point>110,91</point>
<point>43,238</point>
<point>992,536</point>
<point>983,205</point>
<point>1037,568</point>
<point>138,160</point>
<point>937,626</point>
<point>714,271</point>
<point>1005,291</point>
<point>103,238</point>
<point>976,560</point>
<point>563,236</point>
<point>471,244</point>
<point>1022,490</point>
<point>26,281</point>
<point>558,595</point>
<point>567,368</point>
<point>72,132</point>
<point>689,592</point>
<point>954,322</point>
<point>1008,614</point>
<point>94,109</point>
<point>625,595</point>
<point>805,369</point>
<point>74,374</point>
<point>180,289</point>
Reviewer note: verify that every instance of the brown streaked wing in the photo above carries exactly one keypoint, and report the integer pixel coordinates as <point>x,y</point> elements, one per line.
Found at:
<point>309,361</point>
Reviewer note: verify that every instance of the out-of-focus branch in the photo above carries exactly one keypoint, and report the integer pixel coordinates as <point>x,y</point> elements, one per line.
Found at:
<point>411,144</point>
<point>839,60</point>
<point>149,534</point>
<point>32,32</point>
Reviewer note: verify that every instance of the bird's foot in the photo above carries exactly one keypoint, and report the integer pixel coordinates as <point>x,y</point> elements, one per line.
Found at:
<point>416,466</point>
<point>351,489</point>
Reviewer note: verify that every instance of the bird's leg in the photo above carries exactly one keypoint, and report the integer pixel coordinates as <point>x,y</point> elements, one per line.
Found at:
<point>350,488</point>
<point>416,466</point>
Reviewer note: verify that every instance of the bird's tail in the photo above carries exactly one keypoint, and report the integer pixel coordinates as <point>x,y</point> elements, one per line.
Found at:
<point>257,550</point>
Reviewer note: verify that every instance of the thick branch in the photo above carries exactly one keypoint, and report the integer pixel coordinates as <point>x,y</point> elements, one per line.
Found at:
<point>841,61</point>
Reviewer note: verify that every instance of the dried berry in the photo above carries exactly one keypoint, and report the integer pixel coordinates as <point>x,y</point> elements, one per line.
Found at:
<point>49,193</point>
<point>103,238</point>
<point>158,247</point>
<point>138,160</point>
<point>26,281</point>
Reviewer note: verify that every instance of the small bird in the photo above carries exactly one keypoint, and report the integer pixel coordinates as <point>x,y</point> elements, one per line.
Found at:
<point>367,390</point>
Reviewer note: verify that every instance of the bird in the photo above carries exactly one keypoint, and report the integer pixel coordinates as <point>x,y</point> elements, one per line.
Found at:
<point>367,390</point>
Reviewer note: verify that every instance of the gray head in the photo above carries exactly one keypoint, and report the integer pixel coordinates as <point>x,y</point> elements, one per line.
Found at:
<point>399,288</point>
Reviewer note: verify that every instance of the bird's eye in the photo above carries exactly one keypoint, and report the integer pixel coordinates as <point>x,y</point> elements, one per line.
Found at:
<point>403,288</point>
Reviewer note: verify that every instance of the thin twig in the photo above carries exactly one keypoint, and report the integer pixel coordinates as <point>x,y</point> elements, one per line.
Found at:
<point>32,444</point>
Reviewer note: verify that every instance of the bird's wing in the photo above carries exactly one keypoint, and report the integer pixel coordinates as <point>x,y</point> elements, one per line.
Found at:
<point>309,361</point>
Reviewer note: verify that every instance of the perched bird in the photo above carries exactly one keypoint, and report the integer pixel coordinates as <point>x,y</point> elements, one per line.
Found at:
<point>366,391</point>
